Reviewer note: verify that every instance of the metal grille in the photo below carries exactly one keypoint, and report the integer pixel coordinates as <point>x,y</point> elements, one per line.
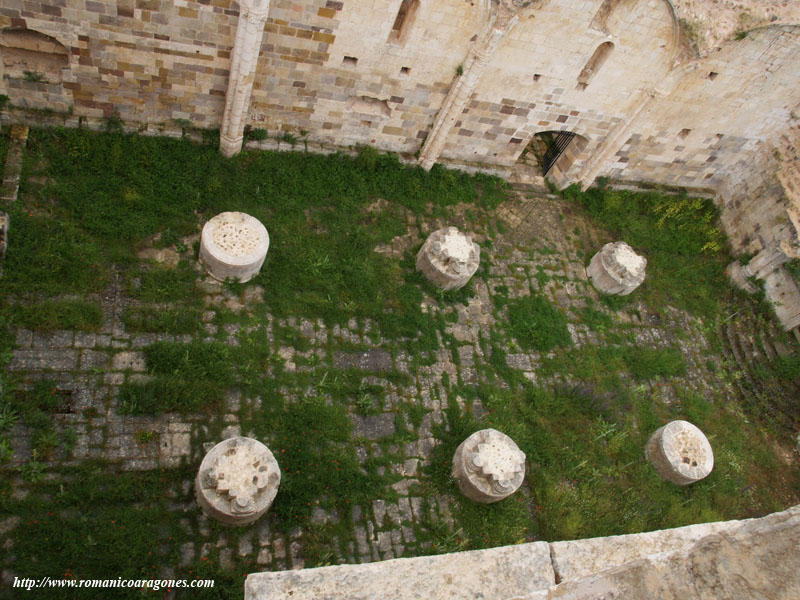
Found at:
<point>555,149</point>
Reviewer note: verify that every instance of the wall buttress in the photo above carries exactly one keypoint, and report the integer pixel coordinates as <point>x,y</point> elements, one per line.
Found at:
<point>499,25</point>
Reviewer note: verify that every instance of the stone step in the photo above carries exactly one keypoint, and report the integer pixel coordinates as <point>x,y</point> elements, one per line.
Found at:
<point>769,350</point>
<point>743,385</point>
<point>733,344</point>
<point>746,343</point>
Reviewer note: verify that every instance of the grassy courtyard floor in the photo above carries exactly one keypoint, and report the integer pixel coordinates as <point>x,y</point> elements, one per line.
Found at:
<point>121,360</point>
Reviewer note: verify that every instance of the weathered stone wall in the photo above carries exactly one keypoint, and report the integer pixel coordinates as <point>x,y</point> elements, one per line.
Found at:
<point>532,84</point>
<point>619,73</point>
<point>753,202</point>
<point>149,60</point>
<point>331,69</point>
<point>720,113</point>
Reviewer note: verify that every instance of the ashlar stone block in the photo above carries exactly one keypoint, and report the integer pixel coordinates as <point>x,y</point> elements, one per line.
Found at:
<point>488,466</point>
<point>616,269</point>
<point>233,245</point>
<point>448,258</point>
<point>680,453</point>
<point>237,481</point>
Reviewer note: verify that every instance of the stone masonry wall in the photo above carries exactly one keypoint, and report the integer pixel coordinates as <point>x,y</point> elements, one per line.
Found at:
<point>718,115</point>
<point>334,72</point>
<point>532,83</point>
<point>148,60</point>
<point>754,204</point>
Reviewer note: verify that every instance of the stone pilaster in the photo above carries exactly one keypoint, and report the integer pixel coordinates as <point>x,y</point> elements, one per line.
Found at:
<point>770,258</point>
<point>762,264</point>
<point>253,14</point>
<point>639,112</point>
<point>498,26</point>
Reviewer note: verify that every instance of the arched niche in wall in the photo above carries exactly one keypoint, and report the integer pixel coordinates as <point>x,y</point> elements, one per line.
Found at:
<point>594,64</point>
<point>32,56</point>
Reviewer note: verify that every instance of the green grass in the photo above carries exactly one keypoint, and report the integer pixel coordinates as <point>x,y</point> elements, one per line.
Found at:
<point>108,524</point>
<point>586,471</point>
<point>53,256</point>
<point>36,408</point>
<point>50,315</point>
<point>4,141</point>
<point>679,236</point>
<point>165,285</point>
<point>163,320</point>
<point>536,324</point>
<point>587,474</point>
<point>184,377</point>
<point>312,442</point>
<point>108,191</point>
<point>600,366</point>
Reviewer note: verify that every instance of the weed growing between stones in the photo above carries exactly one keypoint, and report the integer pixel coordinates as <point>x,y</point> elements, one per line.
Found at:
<point>36,407</point>
<point>183,320</point>
<point>184,377</point>
<point>108,523</point>
<point>54,314</point>
<point>536,324</point>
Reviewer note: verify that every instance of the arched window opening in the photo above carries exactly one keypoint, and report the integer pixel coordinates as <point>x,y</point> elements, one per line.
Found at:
<point>32,56</point>
<point>402,23</point>
<point>594,65</point>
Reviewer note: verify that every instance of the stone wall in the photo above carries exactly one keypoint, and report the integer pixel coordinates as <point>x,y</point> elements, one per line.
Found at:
<point>341,73</point>
<point>719,114</point>
<point>148,60</point>
<point>621,74</point>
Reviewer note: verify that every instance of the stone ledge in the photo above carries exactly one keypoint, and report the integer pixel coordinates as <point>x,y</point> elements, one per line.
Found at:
<point>497,573</point>
<point>752,558</point>
<point>581,558</point>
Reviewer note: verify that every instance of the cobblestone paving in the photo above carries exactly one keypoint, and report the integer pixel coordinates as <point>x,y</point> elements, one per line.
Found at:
<point>542,235</point>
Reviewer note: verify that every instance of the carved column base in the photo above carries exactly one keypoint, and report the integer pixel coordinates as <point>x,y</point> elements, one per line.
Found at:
<point>230,146</point>
<point>736,274</point>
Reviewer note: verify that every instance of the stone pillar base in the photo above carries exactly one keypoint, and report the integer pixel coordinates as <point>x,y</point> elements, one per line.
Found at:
<point>735,272</point>
<point>448,258</point>
<point>237,481</point>
<point>680,453</point>
<point>230,146</point>
<point>488,466</point>
<point>616,269</point>
<point>233,245</point>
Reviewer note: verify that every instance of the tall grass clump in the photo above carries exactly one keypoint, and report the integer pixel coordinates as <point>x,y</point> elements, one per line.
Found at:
<point>680,237</point>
